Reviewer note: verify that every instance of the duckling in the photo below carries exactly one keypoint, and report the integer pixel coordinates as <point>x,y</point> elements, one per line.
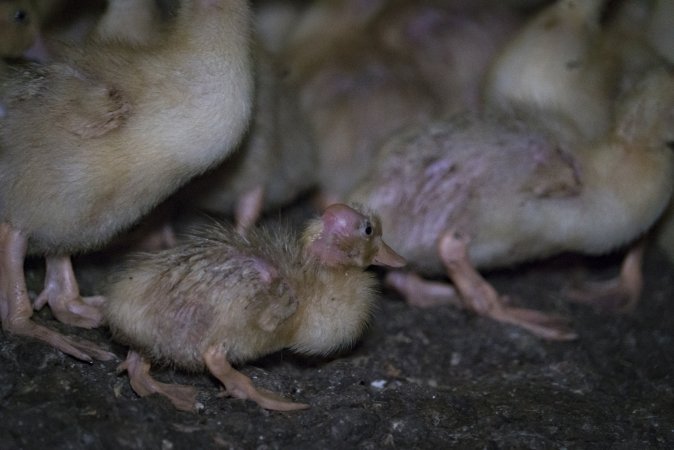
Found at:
<point>276,161</point>
<point>398,63</point>
<point>19,27</point>
<point>353,90</point>
<point>274,22</point>
<point>109,134</point>
<point>555,63</point>
<point>485,193</point>
<point>221,299</point>
<point>136,22</point>
<point>451,43</point>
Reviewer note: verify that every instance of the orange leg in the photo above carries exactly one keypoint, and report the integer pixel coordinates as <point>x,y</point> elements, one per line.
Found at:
<point>15,307</point>
<point>620,294</point>
<point>248,209</point>
<point>63,295</point>
<point>421,293</point>
<point>240,386</point>
<point>183,397</point>
<point>480,297</point>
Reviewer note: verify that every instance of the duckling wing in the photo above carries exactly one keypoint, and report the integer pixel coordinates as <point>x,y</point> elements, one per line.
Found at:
<point>555,176</point>
<point>280,302</point>
<point>278,310</point>
<point>71,99</point>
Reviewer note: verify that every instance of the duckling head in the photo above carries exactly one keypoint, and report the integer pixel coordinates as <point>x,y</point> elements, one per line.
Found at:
<point>343,236</point>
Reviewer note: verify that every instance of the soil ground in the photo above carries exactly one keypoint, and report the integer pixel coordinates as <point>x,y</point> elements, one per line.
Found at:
<point>419,378</point>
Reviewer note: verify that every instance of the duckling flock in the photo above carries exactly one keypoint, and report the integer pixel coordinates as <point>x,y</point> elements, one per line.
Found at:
<point>435,137</point>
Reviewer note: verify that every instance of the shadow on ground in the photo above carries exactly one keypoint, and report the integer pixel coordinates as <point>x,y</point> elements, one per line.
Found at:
<point>418,379</point>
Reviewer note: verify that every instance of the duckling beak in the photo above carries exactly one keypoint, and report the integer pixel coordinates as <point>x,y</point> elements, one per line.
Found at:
<point>387,257</point>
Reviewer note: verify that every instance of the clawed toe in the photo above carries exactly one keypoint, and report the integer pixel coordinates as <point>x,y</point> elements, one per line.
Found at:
<point>547,326</point>
<point>78,348</point>
<point>79,312</point>
<point>609,296</point>
<point>275,402</point>
<point>182,397</point>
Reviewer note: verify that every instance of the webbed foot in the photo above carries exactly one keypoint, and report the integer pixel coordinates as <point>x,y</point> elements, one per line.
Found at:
<point>240,386</point>
<point>620,294</point>
<point>62,294</point>
<point>183,397</point>
<point>480,297</point>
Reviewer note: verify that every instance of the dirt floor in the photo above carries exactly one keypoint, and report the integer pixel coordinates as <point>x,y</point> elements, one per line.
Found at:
<point>433,378</point>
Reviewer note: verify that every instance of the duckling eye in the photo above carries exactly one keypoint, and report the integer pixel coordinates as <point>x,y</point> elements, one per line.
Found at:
<point>21,16</point>
<point>368,229</point>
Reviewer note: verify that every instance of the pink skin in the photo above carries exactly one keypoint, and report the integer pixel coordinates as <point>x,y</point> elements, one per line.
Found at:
<point>182,397</point>
<point>343,224</point>
<point>342,229</point>
<point>15,306</point>
<point>240,386</point>
<point>620,294</point>
<point>249,208</point>
<point>422,293</point>
<point>480,297</point>
<point>63,295</point>
<point>237,384</point>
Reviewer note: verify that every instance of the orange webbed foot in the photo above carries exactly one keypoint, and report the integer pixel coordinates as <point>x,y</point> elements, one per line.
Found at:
<point>419,292</point>
<point>620,294</point>
<point>77,348</point>
<point>240,386</point>
<point>15,307</point>
<point>62,294</point>
<point>182,397</point>
<point>480,297</point>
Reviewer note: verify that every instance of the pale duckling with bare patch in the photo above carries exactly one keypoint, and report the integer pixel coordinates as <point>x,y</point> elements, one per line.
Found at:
<point>90,145</point>
<point>362,77</point>
<point>221,299</point>
<point>486,193</point>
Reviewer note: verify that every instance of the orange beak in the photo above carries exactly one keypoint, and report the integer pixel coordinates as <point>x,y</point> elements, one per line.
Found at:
<point>387,257</point>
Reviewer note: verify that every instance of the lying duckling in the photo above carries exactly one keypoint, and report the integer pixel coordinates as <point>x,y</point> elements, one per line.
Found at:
<point>220,299</point>
<point>91,145</point>
<point>488,193</point>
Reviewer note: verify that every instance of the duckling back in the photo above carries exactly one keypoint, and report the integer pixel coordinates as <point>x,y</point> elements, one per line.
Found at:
<point>215,288</point>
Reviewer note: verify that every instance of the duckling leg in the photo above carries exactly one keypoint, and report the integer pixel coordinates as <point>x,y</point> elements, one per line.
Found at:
<point>183,397</point>
<point>620,294</point>
<point>15,307</point>
<point>419,292</point>
<point>480,297</point>
<point>240,386</point>
<point>63,295</point>
<point>249,208</point>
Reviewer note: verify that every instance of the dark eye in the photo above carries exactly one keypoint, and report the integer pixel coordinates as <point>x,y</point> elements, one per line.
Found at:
<point>368,229</point>
<point>20,16</point>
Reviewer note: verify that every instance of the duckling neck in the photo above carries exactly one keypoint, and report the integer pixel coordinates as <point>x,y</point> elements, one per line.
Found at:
<point>335,307</point>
